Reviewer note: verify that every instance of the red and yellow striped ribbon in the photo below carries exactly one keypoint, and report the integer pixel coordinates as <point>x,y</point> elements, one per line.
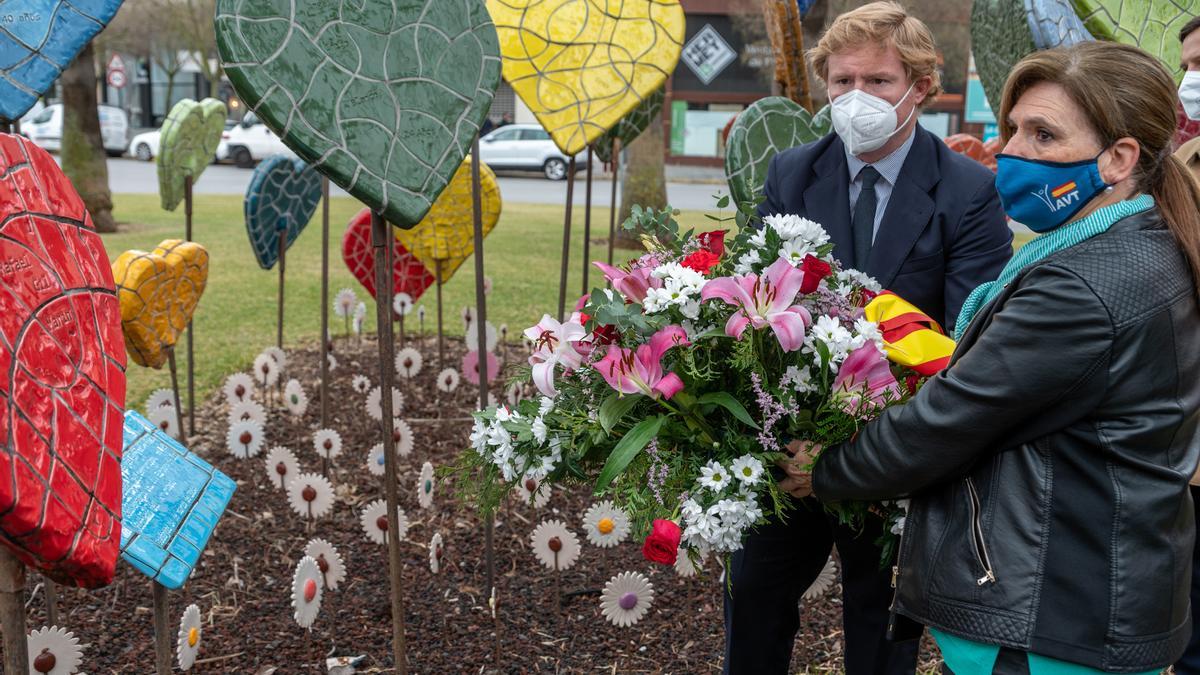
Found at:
<point>911,338</point>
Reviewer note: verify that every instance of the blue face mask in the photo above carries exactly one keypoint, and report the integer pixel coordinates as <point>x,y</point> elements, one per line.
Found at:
<point>1043,195</point>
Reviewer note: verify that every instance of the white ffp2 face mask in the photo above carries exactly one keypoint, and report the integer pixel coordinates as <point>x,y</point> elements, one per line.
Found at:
<point>865,122</point>
<point>1189,94</point>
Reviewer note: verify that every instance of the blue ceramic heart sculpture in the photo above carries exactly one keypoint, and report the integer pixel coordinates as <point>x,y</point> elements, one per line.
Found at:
<point>40,38</point>
<point>282,196</point>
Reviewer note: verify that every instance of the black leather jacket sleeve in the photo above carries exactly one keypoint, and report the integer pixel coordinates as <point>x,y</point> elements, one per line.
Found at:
<point>1040,365</point>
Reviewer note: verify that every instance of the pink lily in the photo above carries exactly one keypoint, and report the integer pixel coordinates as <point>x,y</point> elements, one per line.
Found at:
<point>633,284</point>
<point>865,382</point>
<point>641,372</point>
<point>764,301</point>
<point>554,345</point>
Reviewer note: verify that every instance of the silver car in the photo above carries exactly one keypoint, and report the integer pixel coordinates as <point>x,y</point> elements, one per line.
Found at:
<point>526,147</point>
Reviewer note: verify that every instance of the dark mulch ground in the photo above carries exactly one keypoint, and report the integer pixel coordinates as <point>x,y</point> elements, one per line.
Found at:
<point>248,618</point>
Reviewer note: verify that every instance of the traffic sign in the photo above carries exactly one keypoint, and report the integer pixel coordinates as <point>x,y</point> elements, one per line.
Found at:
<point>117,78</point>
<point>116,62</point>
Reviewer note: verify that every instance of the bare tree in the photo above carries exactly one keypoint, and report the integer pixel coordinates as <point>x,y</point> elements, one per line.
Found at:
<point>200,38</point>
<point>83,157</point>
<point>644,181</point>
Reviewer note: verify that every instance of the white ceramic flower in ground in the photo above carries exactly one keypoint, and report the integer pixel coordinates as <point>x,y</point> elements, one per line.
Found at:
<point>358,323</point>
<point>408,362</point>
<point>54,651</point>
<point>266,371</point>
<point>824,581</point>
<point>605,524</point>
<point>238,387</point>
<point>306,592</point>
<point>333,362</point>
<point>374,401</point>
<point>436,553</point>
<point>164,418</point>
<point>421,312</point>
<point>513,394</point>
<point>533,491</point>
<point>278,355</point>
<point>294,398</point>
<point>245,439</point>
<point>425,486</point>
<point>448,380</point>
<point>504,332</point>
<point>248,410</point>
<point>684,566</point>
<point>402,437</point>
<point>327,443</point>
<point>344,302</point>
<point>554,546</point>
<point>471,337</point>
<point>187,644</point>
<point>402,304</point>
<point>376,462</point>
<point>311,495</point>
<point>374,521</point>
<point>282,466</point>
<point>360,311</point>
<point>626,598</point>
<point>329,562</point>
<point>160,398</point>
<point>361,384</point>
<point>468,317</point>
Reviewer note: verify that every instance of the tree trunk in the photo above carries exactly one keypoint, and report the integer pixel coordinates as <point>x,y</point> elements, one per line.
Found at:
<point>644,179</point>
<point>83,157</point>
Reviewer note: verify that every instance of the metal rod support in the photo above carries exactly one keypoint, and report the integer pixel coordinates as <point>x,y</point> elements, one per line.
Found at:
<point>324,303</point>
<point>481,336</point>
<point>566,248</point>
<point>282,267</point>
<point>162,630</point>
<point>191,355</point>
<point>587,224</point>
<point>612,205</point>
<point>12,614</point>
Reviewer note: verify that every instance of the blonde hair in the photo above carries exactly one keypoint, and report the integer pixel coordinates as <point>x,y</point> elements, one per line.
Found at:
<point>881,23</point>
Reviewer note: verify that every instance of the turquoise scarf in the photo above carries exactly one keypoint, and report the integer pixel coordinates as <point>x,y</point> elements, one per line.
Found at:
<point>1051,242</point>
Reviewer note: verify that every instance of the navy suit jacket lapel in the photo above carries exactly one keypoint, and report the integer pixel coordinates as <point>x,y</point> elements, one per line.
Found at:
<point>908,209</point>
<point>827,201</point>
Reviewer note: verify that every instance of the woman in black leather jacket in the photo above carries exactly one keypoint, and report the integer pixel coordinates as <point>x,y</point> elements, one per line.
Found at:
<point>1050,523</point>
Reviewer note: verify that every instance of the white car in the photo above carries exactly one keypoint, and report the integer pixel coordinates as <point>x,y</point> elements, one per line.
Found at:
<point>144,146</point>
<point>526,147</point>
<point>250,142</point>
<point>45,128</point>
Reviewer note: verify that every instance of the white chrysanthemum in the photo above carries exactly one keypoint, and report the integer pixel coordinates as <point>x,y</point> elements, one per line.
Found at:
<point>714,476</point>
<point>795,251</point>
<point>238,387</point>
<point>306,592</point>
<point>329,562</point>
<point>829,332</point>
<point>408,362</point>
<point>361,384</point>
<point>605,525</point>
<point>471,337</point>
<point>533,491</point>
<point>685,566</point>
<point>374,521</point>
<point>58,642</point>
<point>402,304</point>
<point>545,405</point>
<point>792,227</point>
<point>680,279</point>
<point>310,495</point>
<point>266,371</point>
<point>248,410</point>
<point>425,486</point>
<point>866,331</point>
<point>374,401</point>
<point>436,553</point>
<point>166,419</point>
<point>538,427</point>
<point>160,398</point>
<point>245,439</point>
<point>448,380</point>
<point>187,644</point>
<point>798,378</point>
<point>294,398</point>
<point>626,598</point>
<point>747,263</point>
<point>360,311</point>
<point>343,303</point>
<point>847,277</point>
<point>278,355</point>
<point>282,466</point>
<point>327,443</point>
<point>747,469</point>
<point>554,546</point>
<point>824,581</point>
<point>376,460</point>
<point>402,437</point>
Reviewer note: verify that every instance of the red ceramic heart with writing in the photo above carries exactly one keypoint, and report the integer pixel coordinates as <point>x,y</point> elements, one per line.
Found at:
<point>408,274</point>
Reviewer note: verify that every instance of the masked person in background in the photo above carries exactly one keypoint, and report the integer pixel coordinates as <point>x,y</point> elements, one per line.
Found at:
<point>927,224</point>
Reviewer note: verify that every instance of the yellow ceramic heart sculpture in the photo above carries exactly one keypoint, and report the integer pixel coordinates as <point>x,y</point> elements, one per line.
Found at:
<point>583,65</point>
<point>447,233</point>
<point>159,292</point>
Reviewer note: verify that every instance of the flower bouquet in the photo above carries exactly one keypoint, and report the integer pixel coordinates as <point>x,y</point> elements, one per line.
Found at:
<point>678,389</point>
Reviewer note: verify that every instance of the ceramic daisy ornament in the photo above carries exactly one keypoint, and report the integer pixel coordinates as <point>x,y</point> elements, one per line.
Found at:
<point>375,522</point>
<point>248,410</point>
<point>605,525</point>
<point>376,462</point>
<point>361,384</point>
<point>685,566</point>
<point>327,443</point>
<point>824,581</point>
<point>471,338</point>
<point>408,362</point>
<point>238,387</point>
<point>436,553</point>
<point>468,317</point>
<point>403,304</point>
<point>160,398</point>
<point>165,418</point>
<point>54,651</point>
<point>278,355</point>
<point>187,645</point>
<point>343,303</point>
<point>360,311</point>
<point>294,398</point>
<point>310,495</point>
<point>402,437</point>
<point>448,380</point>
<point>266,370</point>
<point>533,491</point>
<point>513,394</point>
<point>329,562</point>
<point>282,466</point>
<point>425,486</point>
<point>306,592</point>
<point>245,439</point>
<point>332,360</point>
<point>626,598</point>
<point>554,546</point>
<point>374,398</point>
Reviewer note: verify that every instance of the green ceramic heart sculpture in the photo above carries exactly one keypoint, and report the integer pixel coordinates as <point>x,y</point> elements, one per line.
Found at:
<point>769,126</point>
<point>384,98</point>
<point>631,126</point>
<point>190,137</point>
<point>1151,25</point>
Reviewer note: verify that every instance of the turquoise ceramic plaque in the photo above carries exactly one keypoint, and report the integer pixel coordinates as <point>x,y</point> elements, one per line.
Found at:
<point>282,196</point>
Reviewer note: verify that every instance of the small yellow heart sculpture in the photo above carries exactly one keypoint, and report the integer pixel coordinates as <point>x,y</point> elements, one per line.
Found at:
<point>583,65</point>
<point>447,233</point>
<point>158,293</point>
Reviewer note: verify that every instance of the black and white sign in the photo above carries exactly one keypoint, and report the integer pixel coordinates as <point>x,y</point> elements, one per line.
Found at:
<point>707,54</point>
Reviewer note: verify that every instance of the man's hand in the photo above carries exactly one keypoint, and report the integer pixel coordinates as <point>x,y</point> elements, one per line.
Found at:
<point>799,480</point>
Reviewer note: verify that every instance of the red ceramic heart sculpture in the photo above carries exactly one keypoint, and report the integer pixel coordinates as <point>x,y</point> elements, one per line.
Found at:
<point>62,393</point>
<point>408,274</point>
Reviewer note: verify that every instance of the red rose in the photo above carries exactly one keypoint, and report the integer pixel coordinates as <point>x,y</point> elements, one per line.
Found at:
<point>867,296</point>
<point>713,242</point>
<point>605,335</point>
<point>814,270</point>
<point>662,546</point>
<point>702,261</point>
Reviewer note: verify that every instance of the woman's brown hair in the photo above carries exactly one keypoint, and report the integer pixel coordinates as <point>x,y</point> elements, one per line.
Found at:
<point>1125,93</point>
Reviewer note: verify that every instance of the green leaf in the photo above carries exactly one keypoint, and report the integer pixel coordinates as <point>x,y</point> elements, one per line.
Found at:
<point>728,402</point>
<point>615,407</point>
<point>723,201</point>
<point>633,442</point>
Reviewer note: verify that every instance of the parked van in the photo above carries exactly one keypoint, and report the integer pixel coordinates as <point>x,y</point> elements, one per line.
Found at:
<point>45,129</point>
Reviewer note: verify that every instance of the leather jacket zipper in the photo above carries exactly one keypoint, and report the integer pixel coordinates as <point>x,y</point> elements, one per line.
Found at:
<point>977,540</point>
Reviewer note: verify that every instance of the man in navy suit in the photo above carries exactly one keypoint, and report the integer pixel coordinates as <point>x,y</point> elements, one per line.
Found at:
<point>926,223</point>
